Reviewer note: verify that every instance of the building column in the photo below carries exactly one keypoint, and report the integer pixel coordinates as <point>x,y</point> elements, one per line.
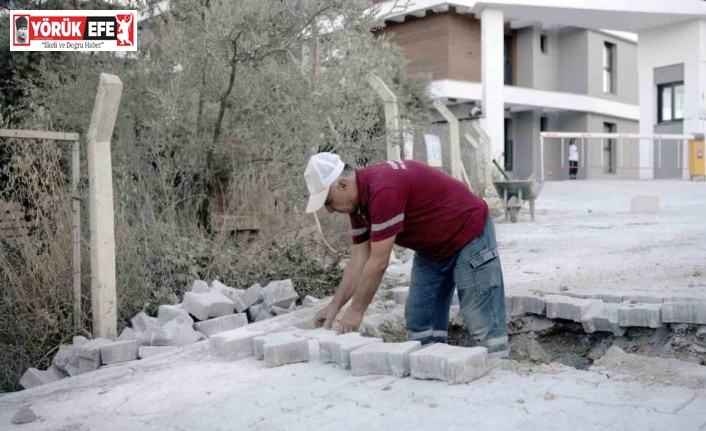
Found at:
<point>492,75</point>
<point>648,109</point>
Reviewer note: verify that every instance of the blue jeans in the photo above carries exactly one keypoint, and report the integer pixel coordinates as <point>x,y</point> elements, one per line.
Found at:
<point>476,273</point>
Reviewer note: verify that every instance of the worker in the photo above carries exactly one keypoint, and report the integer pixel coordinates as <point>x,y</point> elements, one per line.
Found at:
<point>573,159</point>
<point>421,208</point>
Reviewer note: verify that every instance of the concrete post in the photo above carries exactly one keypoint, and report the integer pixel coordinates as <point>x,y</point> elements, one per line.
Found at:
<point>100,205</point>
<point>76,233</point>
<point>492,75</point>
<point>392,116</point>
<point>454,137</point>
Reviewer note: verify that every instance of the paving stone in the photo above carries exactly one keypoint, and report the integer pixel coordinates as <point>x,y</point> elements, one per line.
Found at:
<point>87,365</point>
<point>309,301</point>
<point>199,286</point>
<point>24,416</point>
<point>399,294</point>
<point>144,324</point>
<point>608,298</point>
<point>34,377</point>
<point>57,372</point>
<point>234,344</point>
<point>564,307</point>
<point>208,304</point>
<point>161,337</point>
<point>644,204</point>
<point>641,315</point>
<point>79,340</point>
<point>645,299</point>
<point>264,314</point>
<point>250,297</point>
<point>182,332</point>
<point>65,358</point>
<point>127,334</point>
<point>148,351</point>
<point>286,334</point>
<point>254,310</point>
<point>529,303</point>
<point>580,295</point>
<point>278,311</point>
<point>602,317</point>
<point>684,312</point>
<point>165,313</point>
<point>90,355</point>
<point>450,363</point>
<point>119,351</point>
<point>338,349</point>
<point>221,324</point>
<point>320,334</point>
<point>280,294</point>
<point>281,348</point>
<point>227,291</point>
<point>390,359</point>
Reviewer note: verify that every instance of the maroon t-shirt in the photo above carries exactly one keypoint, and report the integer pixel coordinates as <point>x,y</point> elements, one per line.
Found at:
<point>429,211</point>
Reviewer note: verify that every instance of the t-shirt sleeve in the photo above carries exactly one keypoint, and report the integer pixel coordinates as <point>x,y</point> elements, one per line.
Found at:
<point>359,232</point>
<point>387,207</point>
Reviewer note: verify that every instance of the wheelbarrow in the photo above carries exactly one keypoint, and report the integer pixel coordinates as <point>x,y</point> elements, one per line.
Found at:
<point>515,193</point>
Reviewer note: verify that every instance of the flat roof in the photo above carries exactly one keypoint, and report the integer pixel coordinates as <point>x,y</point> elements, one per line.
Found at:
<point>630,16</point>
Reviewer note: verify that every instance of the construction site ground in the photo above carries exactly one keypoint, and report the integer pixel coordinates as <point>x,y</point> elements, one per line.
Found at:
<point>584,239</point>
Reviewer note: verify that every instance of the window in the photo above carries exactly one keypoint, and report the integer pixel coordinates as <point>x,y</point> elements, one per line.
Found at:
<point>508,61</point>
<point>543,124</point>
<point>670,102</point>
<point>543,43</point>
<point>608,67</point>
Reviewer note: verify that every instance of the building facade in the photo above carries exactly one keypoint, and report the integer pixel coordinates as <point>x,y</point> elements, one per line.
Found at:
<point>543,65</point>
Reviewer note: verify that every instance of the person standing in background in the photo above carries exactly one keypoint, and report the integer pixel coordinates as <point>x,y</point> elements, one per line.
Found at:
<point>573,159</point>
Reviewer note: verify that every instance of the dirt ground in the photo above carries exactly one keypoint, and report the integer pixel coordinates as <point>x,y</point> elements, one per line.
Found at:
<point>585,238</point>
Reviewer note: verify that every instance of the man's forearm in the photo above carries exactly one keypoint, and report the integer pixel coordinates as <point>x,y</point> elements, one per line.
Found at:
<point>367,285</point>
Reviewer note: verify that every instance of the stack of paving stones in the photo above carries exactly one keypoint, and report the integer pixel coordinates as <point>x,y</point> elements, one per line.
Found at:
<point>205,312</point>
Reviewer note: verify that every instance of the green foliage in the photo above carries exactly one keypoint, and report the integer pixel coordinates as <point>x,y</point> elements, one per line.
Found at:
<point>226,98</point>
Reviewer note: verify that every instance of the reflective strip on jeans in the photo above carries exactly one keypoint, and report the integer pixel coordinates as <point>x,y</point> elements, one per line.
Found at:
<point>495,342</point>
<point>428,333</point>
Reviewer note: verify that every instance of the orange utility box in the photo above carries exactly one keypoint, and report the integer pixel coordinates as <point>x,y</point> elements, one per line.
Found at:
<point>697,160</point>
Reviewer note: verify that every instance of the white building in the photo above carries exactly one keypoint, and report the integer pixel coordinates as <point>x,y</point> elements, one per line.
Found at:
<point>566,65</point>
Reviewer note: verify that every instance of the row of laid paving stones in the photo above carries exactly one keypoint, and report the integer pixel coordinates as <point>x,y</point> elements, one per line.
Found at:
<point>597,315</point>
<point>352,351</point>
<point>600,312</point>
<point>204,312</point>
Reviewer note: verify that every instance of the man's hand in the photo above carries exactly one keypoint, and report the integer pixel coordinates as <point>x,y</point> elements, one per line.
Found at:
<point>350,322</point>
<point>325,316</point>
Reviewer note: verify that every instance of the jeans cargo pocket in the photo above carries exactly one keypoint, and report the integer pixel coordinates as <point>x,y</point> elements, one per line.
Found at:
<point>483,257</point>
<point>485,269</point>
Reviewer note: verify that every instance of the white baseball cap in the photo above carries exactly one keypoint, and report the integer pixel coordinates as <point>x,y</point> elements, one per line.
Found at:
<point>320,174</point>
